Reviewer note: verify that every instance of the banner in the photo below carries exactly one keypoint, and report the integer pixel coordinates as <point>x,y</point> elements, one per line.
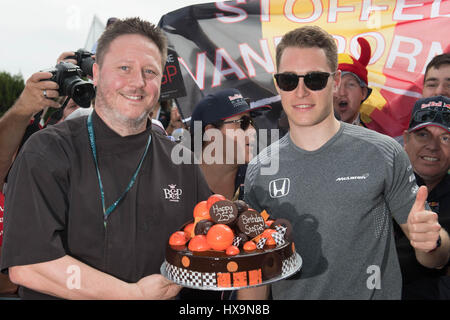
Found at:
<point>232,44</point>
<point>172,85</point>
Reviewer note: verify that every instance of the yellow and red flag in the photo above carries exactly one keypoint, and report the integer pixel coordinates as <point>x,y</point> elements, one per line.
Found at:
<point>232,44</point>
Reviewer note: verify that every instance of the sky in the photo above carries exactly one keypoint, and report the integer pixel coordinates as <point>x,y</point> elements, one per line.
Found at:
<point>33,33</point>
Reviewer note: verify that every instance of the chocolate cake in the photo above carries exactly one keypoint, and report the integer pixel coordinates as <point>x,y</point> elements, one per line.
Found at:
<point>229,246</point>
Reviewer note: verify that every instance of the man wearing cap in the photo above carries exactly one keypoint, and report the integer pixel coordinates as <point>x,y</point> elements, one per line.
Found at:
<point>427,143</point>
<point>222,138</point>
<point>223,118</point>
<point>354,89</point>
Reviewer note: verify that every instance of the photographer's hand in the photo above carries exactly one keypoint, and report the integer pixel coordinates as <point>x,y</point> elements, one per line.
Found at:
<point>37,94</point>
<point>70,56</point>
<point>63,57</point>
<point>16,119</point>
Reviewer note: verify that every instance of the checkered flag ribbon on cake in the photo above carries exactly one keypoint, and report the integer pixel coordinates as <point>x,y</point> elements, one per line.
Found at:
<point>237,241</point>
<point>281,229</point>
<point>288,265</point>
<point>261,243</point>
<point>279,235</point>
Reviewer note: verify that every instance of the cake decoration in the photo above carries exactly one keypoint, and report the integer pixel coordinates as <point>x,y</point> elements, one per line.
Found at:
<point>223,211</point>
<point>202,227</point>
<point>251,223</point>
<point>229,245</point>
<point>220,237</point>
<point>199,243</point>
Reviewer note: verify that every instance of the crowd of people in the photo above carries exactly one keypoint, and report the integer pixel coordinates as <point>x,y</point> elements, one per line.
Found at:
<point>370,215</point>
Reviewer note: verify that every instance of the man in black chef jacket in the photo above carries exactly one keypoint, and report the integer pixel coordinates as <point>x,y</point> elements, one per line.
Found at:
<point>92,201</point>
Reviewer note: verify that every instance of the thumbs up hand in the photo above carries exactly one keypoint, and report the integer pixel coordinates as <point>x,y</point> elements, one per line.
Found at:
<point>423,226</point>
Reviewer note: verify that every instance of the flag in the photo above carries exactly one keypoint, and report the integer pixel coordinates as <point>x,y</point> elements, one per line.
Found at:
<point>232,44</point>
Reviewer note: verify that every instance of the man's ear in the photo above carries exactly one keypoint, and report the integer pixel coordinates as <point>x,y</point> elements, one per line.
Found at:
<point>337,81</point>
<point>95,73</point>
<point>366,92</point>
<point>405,137</point>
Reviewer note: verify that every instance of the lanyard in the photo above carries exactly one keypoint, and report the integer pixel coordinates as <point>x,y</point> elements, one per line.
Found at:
<point>107,211</point>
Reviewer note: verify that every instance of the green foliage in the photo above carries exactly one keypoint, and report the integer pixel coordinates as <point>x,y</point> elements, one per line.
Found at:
<point>11,86</point>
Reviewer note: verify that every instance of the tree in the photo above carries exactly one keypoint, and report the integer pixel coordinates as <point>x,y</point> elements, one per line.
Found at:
<point>11,86</point>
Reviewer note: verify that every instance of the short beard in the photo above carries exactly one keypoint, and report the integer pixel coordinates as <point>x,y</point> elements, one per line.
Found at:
<point>133,124</point>
<point>113,116</point>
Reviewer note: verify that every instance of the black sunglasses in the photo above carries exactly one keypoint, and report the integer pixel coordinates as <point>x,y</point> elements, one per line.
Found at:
<point>245,122</point>
<point>315,80</point>
<point>430,116</point>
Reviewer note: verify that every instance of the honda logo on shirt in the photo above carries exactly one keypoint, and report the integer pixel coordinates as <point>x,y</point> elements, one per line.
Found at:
<point>279,188</point>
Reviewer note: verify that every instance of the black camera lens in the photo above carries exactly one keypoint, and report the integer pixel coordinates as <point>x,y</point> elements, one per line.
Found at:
<point>68,77</point>
<point>82,93</point>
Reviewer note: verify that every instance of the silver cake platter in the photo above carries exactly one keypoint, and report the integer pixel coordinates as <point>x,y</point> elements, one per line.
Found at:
<point>293,270</point>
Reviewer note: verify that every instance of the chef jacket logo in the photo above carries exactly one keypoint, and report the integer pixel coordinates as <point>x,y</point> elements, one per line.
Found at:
<point>172,193</point>
<point>279,188</point>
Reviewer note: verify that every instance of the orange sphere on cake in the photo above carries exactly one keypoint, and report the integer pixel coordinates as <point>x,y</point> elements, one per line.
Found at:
<point>201,211</point>
<point>213,199</point>
<point>178,238</point>
<point>189,229</point>
<point>199,243</point>
<point>220,237</point>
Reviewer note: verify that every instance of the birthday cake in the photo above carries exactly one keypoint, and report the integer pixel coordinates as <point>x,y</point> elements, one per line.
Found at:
<point>228,246</point>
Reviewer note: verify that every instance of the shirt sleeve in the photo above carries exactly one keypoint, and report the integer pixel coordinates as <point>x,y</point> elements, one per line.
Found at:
<point>35,209</point>
<point>401,187</point>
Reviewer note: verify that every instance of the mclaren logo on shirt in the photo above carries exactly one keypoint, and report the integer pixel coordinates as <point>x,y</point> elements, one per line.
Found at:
<point>172,193</point>
<point>352,178</point>
<point>279,188</point>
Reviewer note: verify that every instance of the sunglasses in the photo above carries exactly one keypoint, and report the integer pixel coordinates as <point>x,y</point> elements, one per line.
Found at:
<point>245,122</point>
<point>315,80</point>
<point>431,115</point>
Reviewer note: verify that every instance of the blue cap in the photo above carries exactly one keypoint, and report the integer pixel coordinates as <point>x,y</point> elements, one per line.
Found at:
<point>219,106</point>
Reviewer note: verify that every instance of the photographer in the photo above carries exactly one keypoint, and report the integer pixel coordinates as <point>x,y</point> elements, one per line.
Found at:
<point>39,93</point>
<point>18,123</point>
<point>35,97</point>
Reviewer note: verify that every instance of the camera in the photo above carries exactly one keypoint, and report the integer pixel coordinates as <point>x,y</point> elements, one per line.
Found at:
<point>69,79</point>
<point>84,60</point>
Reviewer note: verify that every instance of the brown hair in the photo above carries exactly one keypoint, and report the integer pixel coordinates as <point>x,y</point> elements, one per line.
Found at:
<point>131,26</point>
<point>437,62</point>
<point>310,37</point>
